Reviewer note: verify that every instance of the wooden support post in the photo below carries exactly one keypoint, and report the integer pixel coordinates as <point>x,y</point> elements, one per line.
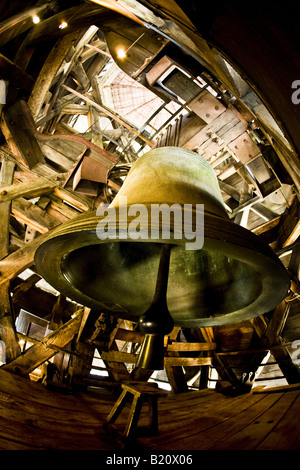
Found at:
<point>41,352</point>
<point>175,373</point>
<point>271,337</point>
<point>289,229</point>
<point>7,326</point>
<point>117,370</point>
<point>7,177</point>
<point>81,364</point>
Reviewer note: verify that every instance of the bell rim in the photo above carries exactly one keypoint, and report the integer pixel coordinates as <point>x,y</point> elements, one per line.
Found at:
<point>219,236</point>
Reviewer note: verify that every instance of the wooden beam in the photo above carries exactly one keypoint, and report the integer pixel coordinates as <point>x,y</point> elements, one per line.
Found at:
<point>48,72</point>
<point>41,352</point>
<point>119,356</point>
<point>17,262</point>
<point>76,201</point>
<point>16,77</point>
<point>129,335</point>
<point>271,339</point>
<point>110,114</point>
<point>33,188</point>
<point>78,17</point>
<point>97,49</point>
<point>289,229</point>
<point>177,346</point>
<point>85,317</point>
<point>188,361</point>
<point>266,227</point>
<point>124,357</point>
<point>24,287</point>
<point>115,361</point>
<point>74,109</point>
<point>81,365</point>
<point>31,214</point>
<point>17,24</point>
<point>17,128</point>
<point>70,62</point>
<point>7,177</point>
<point>287,366</point>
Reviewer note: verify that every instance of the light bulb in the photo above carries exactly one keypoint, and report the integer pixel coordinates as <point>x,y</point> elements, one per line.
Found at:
<point>63,25</point>
<point>35,19</point>
<point>121,53</point>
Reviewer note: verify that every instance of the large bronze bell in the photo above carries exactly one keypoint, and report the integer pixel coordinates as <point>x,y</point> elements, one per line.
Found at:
<point>158,282</point>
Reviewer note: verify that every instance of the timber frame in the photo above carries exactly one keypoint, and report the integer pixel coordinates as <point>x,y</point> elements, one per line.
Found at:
<point>68,141</point>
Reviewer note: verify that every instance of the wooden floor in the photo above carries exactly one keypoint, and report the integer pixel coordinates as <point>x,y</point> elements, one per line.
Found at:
<point>33,417</point>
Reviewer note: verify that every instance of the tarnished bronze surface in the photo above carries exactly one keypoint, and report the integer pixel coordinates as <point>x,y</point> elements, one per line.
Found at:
<point>234,276</point>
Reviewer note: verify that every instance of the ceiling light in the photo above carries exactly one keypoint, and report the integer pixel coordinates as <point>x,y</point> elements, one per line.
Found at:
<point>63,25</point>
<point>36,19</point>
<point>121,53</point>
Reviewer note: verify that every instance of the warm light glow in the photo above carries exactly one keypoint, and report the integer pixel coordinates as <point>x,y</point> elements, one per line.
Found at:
<point>121,53</point>
<point>63,25</point>
<point>21,342</point>
<point>36,19</point>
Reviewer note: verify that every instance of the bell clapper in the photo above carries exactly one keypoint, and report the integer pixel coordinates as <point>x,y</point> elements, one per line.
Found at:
<point>157,321</point>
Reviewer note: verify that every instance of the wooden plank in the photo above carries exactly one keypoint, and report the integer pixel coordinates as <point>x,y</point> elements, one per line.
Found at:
<point>255,433</point>
<point>97,49</point>
<point>286,433</point>
<point>119,356</point>
<point>75,109</point>
<point>177,346</point>
<point>41,352</point>
<point>281,388</point>
<point>188,361</point>
<point>226,421</point>
<point>80,203</point>
<point>203,421</point>
<point>129,335</point>
<point>34,418</point>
